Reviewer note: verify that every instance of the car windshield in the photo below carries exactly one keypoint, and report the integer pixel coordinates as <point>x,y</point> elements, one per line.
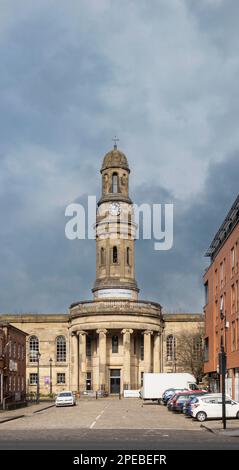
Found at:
<point>65,394</point>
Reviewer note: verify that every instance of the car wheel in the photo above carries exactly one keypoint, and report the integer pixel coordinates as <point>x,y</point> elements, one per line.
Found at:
<point>237,415</point>
<point>201,416</point>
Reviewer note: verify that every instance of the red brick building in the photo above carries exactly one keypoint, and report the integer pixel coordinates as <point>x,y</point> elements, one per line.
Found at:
<point>221,282</point>
<point>12,364</point>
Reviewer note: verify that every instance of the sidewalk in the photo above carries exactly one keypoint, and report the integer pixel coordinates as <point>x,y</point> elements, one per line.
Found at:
<point>26,411</point>
<point>216,427</point>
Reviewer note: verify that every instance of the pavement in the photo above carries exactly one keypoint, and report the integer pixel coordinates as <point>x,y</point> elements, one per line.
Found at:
<point>216,427</point>
<point>25,411</point>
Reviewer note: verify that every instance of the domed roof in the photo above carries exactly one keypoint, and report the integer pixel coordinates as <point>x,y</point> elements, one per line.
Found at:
<point>115,159</point>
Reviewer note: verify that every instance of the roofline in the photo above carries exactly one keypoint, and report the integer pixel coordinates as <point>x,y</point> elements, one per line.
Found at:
<point>225,230</point>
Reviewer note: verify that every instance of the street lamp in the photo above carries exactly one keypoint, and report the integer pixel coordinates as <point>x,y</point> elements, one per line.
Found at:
<point>38,378</point>
<point>50,361</point>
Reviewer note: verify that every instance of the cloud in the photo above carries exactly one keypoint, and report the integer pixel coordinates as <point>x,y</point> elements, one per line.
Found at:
<point>160,75</point>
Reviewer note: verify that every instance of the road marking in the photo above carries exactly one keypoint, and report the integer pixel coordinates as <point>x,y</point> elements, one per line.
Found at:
<point>99,416</point>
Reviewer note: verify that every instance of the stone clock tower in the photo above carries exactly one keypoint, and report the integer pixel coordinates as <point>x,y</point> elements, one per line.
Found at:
<point>115,232</point>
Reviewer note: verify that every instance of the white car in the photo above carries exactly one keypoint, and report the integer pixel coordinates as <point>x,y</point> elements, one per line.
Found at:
<point>210,406</point>
<point>65,398</point>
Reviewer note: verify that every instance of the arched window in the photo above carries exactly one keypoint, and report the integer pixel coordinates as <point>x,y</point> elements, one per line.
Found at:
<point>61,349</point>
<point>102,256</point>
<point>128,256</point>
<point>115,183</point>
<point>115,344</point>
<point>171,348</point>
<point>33,348</point>
<point>115,255</point>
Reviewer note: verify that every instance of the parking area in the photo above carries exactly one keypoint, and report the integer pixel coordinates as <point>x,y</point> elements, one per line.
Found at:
<point>105,413</point>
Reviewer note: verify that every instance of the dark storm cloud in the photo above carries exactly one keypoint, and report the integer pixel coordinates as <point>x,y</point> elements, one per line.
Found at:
<point>162,75</point>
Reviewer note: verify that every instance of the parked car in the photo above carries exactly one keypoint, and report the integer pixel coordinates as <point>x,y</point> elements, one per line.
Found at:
<point>181,398</point>
<point>186,409</point>
<point>210,406</point>
<point>168,394</point>
<point>65,399</point>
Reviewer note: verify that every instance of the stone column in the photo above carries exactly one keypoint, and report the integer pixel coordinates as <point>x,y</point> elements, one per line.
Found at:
<point>102,358</point>
<point>147,350</point>
<point>82,359</point>
<point>127,356</point>
<point>157,352</point>
<point>74,363</point>
<point>95,364</point>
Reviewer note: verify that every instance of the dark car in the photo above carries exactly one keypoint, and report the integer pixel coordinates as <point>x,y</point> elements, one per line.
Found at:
<point>168,394</point>
<point>182,398</point>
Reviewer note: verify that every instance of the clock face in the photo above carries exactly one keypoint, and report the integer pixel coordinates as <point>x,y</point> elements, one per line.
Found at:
<point>114,208</point>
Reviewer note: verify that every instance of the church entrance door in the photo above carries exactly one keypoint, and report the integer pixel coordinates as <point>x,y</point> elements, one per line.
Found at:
<point>114,380</point>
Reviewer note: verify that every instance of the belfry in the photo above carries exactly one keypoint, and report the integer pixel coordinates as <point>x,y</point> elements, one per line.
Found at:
<point>115,232</point>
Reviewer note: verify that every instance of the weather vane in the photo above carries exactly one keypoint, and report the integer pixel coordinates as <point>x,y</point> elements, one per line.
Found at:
<point>115,139</point>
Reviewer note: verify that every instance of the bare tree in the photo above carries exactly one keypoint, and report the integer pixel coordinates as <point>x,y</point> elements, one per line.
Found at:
<point>189,352</point>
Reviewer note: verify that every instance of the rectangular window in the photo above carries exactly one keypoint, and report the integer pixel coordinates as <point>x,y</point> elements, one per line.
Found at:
<point>33,379</point>
<point>216,281</point>
<point>237,334</point>
<point>233,336</point>
<point>221,275</point>
<point>60,378</point>
<point>88,381</point>
<point>14,350</point>
<point>233,261</point>
<point>237,297</point>
<point>135,344</point>
<point>221,307</point>
<point>115,344</point>
<point>142,347</point>
<point>88,346</point>
<point>206,349</point>
<point>206,292</point>
<point>23,384</point>
<point>10,383</point>
<point>233,299</point>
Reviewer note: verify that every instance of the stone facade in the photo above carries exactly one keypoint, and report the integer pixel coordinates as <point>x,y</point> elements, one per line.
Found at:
<point>135,355</point>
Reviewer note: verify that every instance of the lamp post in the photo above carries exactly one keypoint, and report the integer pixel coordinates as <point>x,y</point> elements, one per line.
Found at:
<point>50,362</point>
<point>38,378</point>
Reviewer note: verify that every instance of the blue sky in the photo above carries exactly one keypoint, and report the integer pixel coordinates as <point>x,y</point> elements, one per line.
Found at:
<point>162,75</point>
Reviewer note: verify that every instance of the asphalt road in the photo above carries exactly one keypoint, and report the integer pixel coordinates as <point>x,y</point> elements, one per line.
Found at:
<point>120,439</point>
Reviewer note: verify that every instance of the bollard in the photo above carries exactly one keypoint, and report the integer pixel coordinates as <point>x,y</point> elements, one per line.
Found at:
<point>96,395</point>
<point>119,396</point>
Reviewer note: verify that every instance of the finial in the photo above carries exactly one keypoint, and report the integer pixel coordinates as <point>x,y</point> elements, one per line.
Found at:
<point>115,139</point>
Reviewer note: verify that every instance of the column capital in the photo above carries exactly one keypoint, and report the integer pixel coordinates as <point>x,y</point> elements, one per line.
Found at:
<point>148,332</point>
<point>127,330</point>
<point>81,332</point>
<point>101,330</point>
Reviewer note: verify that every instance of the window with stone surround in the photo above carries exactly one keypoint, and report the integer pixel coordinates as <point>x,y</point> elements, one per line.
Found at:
<point>33,348</point>
<point>61,349</point>
<point>33,378</point>
<point>171,348</point>
<point>60,378</point>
